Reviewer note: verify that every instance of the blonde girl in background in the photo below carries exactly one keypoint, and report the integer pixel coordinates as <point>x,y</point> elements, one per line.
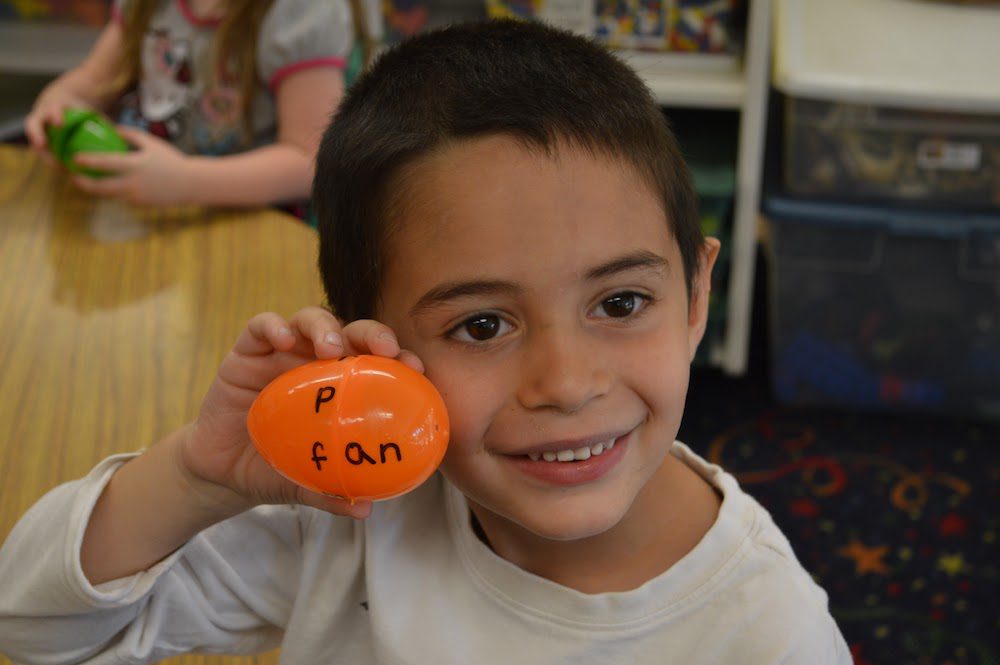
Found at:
<point>223,101</point>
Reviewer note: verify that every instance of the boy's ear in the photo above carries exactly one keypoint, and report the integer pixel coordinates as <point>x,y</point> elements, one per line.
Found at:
<point>701,288</point>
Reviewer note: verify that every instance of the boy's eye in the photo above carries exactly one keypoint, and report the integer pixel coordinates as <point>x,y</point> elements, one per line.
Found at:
<point>621,305</point>
<point>479,328</point>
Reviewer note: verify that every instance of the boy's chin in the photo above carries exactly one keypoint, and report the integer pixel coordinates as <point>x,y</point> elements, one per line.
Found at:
<point>574,532</point>
<point>573,521</point>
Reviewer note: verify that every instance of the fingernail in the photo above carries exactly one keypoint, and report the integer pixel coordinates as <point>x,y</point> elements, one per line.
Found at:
<point>285,331</point>
<point>389,337</point>
<point>333,339</point>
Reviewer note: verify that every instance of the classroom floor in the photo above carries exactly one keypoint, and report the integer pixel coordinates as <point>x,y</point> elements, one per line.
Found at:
<point>894,515</point>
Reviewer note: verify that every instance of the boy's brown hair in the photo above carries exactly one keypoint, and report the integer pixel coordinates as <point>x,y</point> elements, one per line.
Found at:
<point>541,85</point>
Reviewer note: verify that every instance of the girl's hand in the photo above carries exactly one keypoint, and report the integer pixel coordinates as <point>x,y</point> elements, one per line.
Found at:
<point>154,173</point>
<point>48,110</point>
<point>217,452</point>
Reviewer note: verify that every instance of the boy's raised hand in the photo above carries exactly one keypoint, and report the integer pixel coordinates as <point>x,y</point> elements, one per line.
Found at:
<point>217,451</point>
<point>210,470</point>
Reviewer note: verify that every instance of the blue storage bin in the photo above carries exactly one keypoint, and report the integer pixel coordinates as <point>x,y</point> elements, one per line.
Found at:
<point>884,308</point>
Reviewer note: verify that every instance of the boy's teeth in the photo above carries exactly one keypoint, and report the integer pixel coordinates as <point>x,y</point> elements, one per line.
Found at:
<point>573,455</point>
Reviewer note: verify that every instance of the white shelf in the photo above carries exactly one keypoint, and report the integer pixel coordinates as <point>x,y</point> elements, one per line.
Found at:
<point>43,48</point>
<point>740,84</point>
<point>749,167</point>
<point>690,80</point>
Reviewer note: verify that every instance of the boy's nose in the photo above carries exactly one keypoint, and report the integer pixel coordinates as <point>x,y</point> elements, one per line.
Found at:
<point>562,371</point>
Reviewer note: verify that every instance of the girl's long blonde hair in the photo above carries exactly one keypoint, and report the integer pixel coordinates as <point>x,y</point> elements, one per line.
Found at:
<point>235,45</point>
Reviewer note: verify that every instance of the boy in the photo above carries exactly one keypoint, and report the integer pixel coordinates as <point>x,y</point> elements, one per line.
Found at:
<point>505,202</point>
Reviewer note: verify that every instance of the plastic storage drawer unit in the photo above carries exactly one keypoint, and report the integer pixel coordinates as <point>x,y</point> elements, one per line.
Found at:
<point>854,151</point>
<point>880,308</point>
<point>890,99</point>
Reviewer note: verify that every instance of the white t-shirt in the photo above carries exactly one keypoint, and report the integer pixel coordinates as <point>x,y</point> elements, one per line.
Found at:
<point>412,584</point>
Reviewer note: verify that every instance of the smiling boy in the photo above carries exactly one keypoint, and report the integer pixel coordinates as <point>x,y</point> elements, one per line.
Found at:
<point>507,204</point>
<point>554,319</point>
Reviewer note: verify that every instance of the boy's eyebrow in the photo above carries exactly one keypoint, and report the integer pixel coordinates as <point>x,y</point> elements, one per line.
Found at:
<point>492,287</point>
<point>639,259</point>
<point>451,290</point>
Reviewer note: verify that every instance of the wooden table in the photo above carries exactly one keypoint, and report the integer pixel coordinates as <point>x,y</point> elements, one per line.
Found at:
<point>114,319</point>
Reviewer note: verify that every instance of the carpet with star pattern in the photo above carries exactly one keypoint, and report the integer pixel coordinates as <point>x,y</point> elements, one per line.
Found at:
<point>894,515</point>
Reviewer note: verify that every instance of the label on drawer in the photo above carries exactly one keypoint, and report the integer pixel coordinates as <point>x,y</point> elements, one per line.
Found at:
<point>949,156</point>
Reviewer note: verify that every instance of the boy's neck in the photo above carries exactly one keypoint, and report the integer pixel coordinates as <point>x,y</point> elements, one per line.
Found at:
<point>670,516</point>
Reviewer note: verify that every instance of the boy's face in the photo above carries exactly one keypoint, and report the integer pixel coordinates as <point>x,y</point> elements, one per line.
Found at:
<point>547,300</point>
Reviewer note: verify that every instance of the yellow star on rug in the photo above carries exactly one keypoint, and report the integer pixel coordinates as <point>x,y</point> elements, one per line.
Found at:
<point>952,564</point>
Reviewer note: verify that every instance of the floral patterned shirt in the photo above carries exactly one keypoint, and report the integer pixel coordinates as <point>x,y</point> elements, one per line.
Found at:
<point>178,98</point>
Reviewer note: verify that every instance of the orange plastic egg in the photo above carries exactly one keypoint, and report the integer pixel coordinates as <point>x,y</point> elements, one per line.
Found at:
<point>362,427</point>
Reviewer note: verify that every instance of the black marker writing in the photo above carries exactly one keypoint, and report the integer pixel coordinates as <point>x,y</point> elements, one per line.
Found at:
<point>386,446</point>
<point>317,447</point>
<point>362,456</point>
<point>356,454</point>
<point>324,394</point>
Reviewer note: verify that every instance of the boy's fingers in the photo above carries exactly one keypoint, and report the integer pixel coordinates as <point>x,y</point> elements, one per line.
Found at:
<point>264,333</point>
<point>411,359</point>
<point>319,333</point>
<point>368,336</point>
<point>358,509</point>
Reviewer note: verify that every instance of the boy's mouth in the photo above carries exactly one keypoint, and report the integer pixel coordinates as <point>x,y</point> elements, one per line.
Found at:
<point>574,454</point>
<point>574,463</point>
